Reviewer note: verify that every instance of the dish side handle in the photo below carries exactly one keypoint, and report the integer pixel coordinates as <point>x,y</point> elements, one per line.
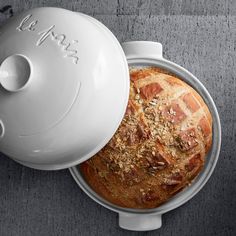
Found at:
<point>139,222</point>
<point>142,49</point>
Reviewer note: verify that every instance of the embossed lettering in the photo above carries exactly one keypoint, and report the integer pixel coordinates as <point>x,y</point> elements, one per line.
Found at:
<point>50,33</point>
<point>30,27</point>
<point>44,35</point>
<point>72,54</point>
<point>66,46</point>
<point>32,24</point>
<point>61,42</point>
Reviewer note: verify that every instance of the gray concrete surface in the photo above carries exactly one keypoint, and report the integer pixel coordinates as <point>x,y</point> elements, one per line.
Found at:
<point>199,35</point>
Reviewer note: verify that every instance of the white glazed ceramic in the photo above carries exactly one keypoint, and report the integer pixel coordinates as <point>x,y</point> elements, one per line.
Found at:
<point>64,87</point>
<point>141,53</point>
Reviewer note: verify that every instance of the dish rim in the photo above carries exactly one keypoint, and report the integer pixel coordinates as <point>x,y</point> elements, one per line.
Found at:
<point>211,159</point>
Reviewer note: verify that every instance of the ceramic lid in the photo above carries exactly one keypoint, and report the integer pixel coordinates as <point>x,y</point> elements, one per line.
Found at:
<point>64,87</point>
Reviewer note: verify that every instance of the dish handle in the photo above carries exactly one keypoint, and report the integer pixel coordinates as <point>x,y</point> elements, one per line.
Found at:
<point>142,49</point>
<point>139,222</point>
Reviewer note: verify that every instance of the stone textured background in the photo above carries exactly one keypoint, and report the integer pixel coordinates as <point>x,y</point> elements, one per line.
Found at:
<point>200,35</point>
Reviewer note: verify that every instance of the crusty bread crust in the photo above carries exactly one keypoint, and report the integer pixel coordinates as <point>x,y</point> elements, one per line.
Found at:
<point>160,146</point>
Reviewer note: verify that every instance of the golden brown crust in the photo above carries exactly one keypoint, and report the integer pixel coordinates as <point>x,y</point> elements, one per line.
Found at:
<point>160,146</point>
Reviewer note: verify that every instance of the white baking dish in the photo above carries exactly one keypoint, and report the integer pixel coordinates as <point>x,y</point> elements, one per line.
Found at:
<point>143,53</point>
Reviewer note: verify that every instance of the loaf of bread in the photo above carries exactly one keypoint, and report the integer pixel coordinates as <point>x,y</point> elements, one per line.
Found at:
<point>160,146</point>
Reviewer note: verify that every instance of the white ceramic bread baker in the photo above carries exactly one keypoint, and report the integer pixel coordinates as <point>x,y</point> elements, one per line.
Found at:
<point>64,90</point>
<point>64,87</point>
<point>142,53</point>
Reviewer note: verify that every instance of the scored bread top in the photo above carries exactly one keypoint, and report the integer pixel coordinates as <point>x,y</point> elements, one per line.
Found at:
<point>160,146</point>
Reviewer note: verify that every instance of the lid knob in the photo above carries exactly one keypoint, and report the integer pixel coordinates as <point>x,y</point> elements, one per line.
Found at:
<point>15,73</point>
